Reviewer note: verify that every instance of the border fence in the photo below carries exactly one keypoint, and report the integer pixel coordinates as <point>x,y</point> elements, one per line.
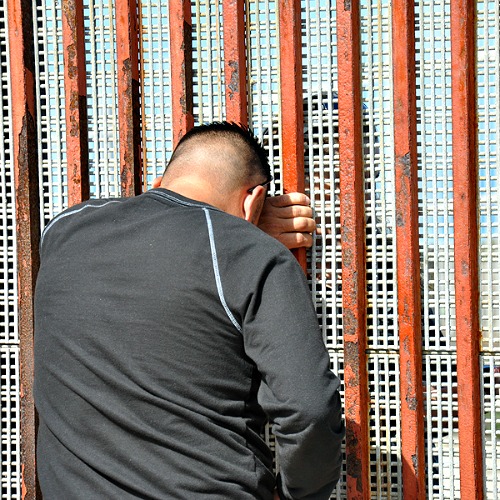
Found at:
<point>386,113</point>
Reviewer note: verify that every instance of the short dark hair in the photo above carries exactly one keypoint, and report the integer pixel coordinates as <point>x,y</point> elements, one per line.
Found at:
<point>255,156</point>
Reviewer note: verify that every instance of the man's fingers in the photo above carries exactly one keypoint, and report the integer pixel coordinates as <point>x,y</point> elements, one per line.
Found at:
<point>274,226</point>
<point>296,240</point>
<point>287,212</point>
<point>285,200</point>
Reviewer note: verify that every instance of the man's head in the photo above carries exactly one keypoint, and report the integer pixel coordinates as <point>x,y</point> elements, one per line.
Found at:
<point>222,164</point>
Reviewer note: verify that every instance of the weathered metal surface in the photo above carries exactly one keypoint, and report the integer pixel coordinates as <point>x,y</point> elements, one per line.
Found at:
<point>76,102</point>
<point>292,110</point>
<point>181,67</point>
<point>407,240</point>
<point>25,157</point>
<point>235,68</point>
<point>465,206</point>
<point>352,220</point>
<point>129,107</point>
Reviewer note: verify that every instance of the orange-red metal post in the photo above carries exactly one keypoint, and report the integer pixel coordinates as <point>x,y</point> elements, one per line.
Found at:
<point>235,67</point>
<point>465,203</point>
<point>76,102</point>
<point>408,262</point>
<point>181,60</point>
<point>129,107</point>
<point>25,159</point>
<point>352,220</point>
<point>292,108</point>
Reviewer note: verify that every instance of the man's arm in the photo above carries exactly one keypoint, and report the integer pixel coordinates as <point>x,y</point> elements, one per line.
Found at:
<point>289,219</point>
<point>298,392</point>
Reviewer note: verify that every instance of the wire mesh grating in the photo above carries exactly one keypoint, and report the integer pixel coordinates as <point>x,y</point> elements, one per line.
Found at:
<point>10,465</point>
<point>322,171</point>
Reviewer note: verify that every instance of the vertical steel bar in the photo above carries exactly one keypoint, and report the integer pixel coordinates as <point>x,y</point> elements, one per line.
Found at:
<point>181,60</point>
<point>235,68</point>
<point>292,108</point>
<point>75,82</point>
<point>25,158</point>
<point>352,221</point>
<point>408,257</point>
<point>129,106</point>
<point>465,213</point>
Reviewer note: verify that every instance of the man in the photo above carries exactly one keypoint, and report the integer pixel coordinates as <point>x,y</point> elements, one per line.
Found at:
<point>168,329</point>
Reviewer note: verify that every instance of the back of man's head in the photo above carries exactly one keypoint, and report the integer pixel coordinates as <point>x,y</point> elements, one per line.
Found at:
<point>224,153</point>
<point>222,164</point>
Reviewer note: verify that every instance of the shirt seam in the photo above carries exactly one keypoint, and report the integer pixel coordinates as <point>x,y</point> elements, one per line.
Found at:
<point>71,212</point>
<point>215,265</point>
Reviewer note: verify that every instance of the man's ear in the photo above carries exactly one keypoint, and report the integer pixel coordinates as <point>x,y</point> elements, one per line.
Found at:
<point>157,182</point>
<point>253,203</point>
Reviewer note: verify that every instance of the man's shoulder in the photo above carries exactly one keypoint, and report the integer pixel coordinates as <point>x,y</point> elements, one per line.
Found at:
<point>70,214</point>
<point>241,234</point>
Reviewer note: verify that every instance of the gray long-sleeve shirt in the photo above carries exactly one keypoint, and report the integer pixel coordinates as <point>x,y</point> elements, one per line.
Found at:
<point>166,333</point>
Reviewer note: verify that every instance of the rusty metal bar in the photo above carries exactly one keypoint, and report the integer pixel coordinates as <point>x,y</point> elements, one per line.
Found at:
<point>181,60</point>
<point>408,257</point>
<point>465,213</point>
<point>129,106</point>
<point>352,221</point>
<point>235,68</point>
<point>76,102</point>
<point>292,108</point>
<point>25,158</point>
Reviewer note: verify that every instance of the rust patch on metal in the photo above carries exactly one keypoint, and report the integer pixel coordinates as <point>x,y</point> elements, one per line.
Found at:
<point>234,83</point>
<point>72,57</point>
<point>411,402</point>
<point>351,358</point>
<point>350,328</point>
<point>406,346</point>
<point>405,161</point>
<point>70,12</point>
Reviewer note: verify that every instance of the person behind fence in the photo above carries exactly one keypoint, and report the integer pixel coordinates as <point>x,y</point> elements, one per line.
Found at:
<point>169,329</point>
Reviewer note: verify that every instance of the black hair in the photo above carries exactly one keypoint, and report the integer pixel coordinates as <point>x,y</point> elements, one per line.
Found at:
<point>256,155</point>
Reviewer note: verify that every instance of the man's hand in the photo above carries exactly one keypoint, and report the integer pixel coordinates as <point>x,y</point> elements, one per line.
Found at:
<point>289,219</point>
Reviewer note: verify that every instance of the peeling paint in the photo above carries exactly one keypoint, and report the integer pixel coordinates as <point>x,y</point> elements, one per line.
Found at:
<point>234,84</point>
<point>412,403</point>
<point>351,359</point>
<point>350,327</point>
<point>405,161</point>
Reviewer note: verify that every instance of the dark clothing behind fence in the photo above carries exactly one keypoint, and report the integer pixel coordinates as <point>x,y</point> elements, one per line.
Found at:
<point>166,331</point>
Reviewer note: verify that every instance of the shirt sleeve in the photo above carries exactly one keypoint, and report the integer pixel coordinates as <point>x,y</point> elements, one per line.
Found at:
<point>299,393</point>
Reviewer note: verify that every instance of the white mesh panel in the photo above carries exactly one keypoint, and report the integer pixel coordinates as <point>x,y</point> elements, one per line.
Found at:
<point>102,99</point>
<point>208,61</point>
<point>263,77</point>
<point>442,462</point>
<point>378,130</point>
<point>322,171</point>
<point>155,89</point>
<point>488,86</point>
<point>385,426</point>
<point>435,168</point>
<point>10,466</point>
<point>491,424</point>
<point>8,265</point>
<point>49,66</point>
